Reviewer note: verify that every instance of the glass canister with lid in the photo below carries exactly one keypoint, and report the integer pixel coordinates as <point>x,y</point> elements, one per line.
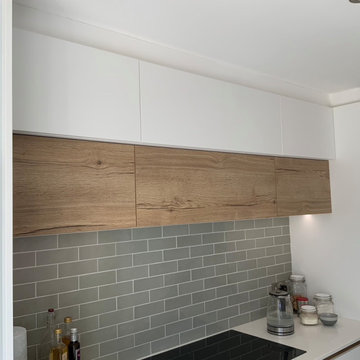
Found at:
<point>308,315</point>
<point>323,303</point>
<point>297,289</point>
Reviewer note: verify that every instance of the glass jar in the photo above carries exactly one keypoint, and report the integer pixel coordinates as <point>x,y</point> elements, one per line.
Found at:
<point>308,315</point>
<point>323,303</point>
<point>297,289</point>
<point>300,302</point>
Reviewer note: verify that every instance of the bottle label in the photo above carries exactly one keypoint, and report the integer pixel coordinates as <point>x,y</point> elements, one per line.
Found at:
<point>77,356</point>
<point>64,356</point>
<point>294,300</point>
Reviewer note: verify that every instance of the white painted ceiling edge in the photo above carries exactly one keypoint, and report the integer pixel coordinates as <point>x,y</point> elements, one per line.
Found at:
<point>60,27</point>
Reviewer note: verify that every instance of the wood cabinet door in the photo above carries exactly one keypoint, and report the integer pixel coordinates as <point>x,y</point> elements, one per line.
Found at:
<point>63,185</point>
<point>176,186</point>
<point>303,186</point>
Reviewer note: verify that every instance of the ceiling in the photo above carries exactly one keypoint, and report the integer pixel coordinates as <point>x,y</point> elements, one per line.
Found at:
<point>311,43</point>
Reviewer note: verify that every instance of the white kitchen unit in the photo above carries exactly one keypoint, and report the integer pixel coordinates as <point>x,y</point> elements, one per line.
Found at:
<point>308,129</point>
<point>62,88</point>
<point>66,89</point>
<point>353,354</point>
<point>187,110</point>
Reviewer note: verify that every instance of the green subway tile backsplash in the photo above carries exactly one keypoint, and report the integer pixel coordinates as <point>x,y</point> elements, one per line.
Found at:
<point>135,292</point>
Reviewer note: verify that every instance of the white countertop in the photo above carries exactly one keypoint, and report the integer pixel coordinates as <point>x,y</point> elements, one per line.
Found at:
<point>318,341</point>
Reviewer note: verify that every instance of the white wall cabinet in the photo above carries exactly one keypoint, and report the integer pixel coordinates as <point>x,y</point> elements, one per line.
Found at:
<point>308,129</point>
<point>187,110</point>
<point>66,89</point>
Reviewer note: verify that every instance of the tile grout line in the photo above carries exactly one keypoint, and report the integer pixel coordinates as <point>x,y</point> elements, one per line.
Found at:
<point>234,266</point>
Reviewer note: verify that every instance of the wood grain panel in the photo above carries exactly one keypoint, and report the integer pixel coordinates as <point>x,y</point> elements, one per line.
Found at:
<point>176,186</point>
<point>303,186</point>
<point>63,185</point>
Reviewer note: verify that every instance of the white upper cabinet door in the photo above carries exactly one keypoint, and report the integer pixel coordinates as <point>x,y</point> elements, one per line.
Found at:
<point>308,129</point>
<point>187,110</point>
<point>63,88</point>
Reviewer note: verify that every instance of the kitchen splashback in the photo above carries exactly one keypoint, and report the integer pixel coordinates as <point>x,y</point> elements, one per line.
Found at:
<point>135,292</point>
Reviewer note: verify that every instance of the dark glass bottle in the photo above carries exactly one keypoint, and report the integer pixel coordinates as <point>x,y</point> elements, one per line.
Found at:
<point>74,346</point>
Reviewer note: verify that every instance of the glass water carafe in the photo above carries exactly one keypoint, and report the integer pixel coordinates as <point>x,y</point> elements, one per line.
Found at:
<point>280,313</point>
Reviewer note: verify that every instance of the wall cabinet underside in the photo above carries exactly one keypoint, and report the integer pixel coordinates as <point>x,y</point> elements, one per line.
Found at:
<point>63,185</point>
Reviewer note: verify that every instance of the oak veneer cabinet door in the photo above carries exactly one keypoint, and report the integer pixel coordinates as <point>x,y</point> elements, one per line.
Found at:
<point>63,185</point>
<point>176,186</point>
<point>303,186</point>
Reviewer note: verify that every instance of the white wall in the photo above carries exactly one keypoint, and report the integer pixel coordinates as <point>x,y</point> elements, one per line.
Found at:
<point>326,248</point>
<point>6,333</point>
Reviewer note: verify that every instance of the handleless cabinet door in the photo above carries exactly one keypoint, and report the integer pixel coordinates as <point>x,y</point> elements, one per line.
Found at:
<point>175,186</point>
<point>350,353</point>
<point>63,186</point>
<point>303,186</point>
<point>308,129</point>
<point>67,89</point>
<point>186,110</point>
